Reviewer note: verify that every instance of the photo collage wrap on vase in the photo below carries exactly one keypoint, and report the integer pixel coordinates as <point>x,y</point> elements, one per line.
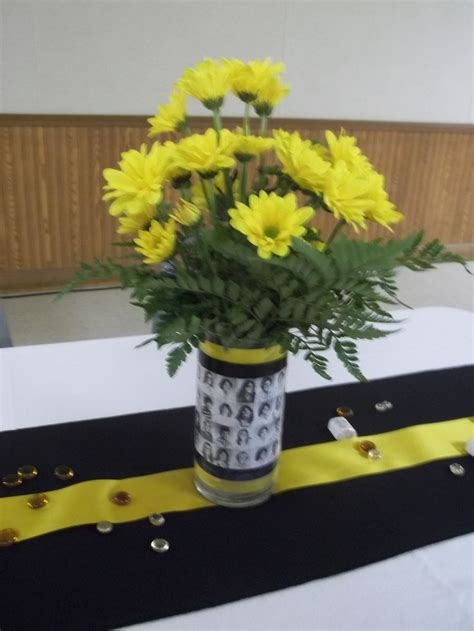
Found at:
<point>239,420</point>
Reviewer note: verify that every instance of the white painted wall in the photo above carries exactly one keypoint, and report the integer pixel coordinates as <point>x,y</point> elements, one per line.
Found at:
<point>380,60</point>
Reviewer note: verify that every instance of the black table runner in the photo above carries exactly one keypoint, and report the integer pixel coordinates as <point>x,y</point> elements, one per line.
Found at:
<point>79,580</point>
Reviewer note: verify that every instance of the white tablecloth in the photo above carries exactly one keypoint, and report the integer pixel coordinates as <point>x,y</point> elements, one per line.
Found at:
<point>430,588</point>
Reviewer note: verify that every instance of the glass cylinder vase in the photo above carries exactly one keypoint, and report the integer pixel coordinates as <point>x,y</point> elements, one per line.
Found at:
<point>239,421</point>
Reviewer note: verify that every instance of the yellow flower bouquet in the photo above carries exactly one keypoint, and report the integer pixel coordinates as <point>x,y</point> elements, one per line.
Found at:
<point>224,225</point>
<point>229,257</point>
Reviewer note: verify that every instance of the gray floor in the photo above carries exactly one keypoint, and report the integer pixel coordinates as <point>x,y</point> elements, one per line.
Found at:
<point>107,313</point>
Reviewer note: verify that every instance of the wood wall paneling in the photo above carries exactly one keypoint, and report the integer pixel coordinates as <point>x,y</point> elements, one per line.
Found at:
<point>52,215</point>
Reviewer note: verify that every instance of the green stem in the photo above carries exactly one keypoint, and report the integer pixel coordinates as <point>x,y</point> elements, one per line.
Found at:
<point>186,193</point>
<point>263,125</point>
<point>335,232</point>
<point>261,163</point>
<point>208,188</point>
<point>246,126</point>
<point>187,131</point>
<point>204,249</point>
<point>228,186</point>
<point>243,182</point>
<point>216,120</point>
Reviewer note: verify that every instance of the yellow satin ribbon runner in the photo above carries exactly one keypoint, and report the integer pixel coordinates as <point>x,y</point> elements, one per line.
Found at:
<point>88,502</point>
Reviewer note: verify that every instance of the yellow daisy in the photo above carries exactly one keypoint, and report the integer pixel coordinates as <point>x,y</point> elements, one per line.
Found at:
<point>134,223</point>
<point>247,147</point>
<point>247,79</point>
<point>345,148</point>
<point>270,222</point>
<point>170,117</point>
<point>269,95</point>
<point>301,160</point>
<point>186,213</point>
<point>175,172</point>
<point>208,82</point>
<point>206,153</point>
<point>348,195</point>
<point>138,183</point>
<point>383,212</point>
<point>158,243</point>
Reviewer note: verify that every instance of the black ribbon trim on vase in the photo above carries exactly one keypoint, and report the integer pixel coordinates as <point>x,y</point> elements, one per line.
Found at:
<point>240,475</point>
<point>243,371</point>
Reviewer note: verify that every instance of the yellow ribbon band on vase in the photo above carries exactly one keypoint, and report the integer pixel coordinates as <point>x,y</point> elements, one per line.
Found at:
<point>169,491</point>
<point>242,355</point>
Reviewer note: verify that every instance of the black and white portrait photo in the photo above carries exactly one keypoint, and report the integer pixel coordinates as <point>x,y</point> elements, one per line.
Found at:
<point>205,429</point>
<point>281,378</point>
<point>222,458</point>
<point>225,410</point>
<point>279,402</point>
<point>242,458</point>
<point>277,422</point>
<point>207,452</point>
<point>245,416</point>
<point>209,378</point>
<point>274,447</point>
<point>206,407</point>
<point>223,435</point>
<point>226,385</point>
<point>264,410</point>
<point>262,453</point>
<point>243,437</point>
<point>263,432</point>
<point>246,393</point>
<point>266,384</point>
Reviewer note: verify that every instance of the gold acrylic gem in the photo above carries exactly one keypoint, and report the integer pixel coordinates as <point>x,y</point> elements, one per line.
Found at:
<point>38,501</point>
<point>375,454</point>
<point>11,480</point>
<point>457,469</point>
<point>63,472</point>
<point>160,545</point>
<point>342,410</point>
<point>8,536</point>
<point>104,527</point>
<point>121,498</point>
<point>27,471</point>
<point>156,519</point>
<point>366,446</point>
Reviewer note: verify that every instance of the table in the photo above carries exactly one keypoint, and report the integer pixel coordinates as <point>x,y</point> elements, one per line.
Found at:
<point>429,588</point>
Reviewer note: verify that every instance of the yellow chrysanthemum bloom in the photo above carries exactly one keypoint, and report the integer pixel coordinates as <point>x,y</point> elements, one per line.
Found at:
<point>206,153</point>
<point>270,222</point>
<point>170,117</point>
<point>208,82</point>
<point>301,161</point>
<point>138,183</point>
<point>247,147</point>
<point>345,148</point>
<point>383,211</point>
<point>186,213</point>
<point>269,95</point>
<point>175,173</point>
<point>349,195</point>
<point>157,243</point>
<point>247,79</point>
<point>134,223</point>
